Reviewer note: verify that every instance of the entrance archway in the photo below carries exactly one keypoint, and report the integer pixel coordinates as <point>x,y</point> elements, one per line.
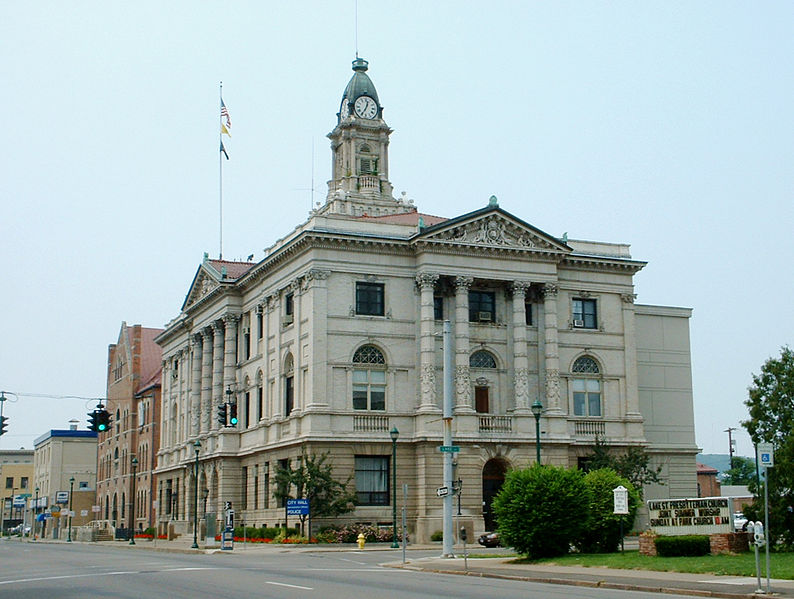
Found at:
<point>493,477</point>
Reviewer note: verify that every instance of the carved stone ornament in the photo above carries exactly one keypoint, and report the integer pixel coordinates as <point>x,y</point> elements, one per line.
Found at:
<point>628,298</point>
<point>318,274</point>
<point>463,284</point>
<point>428,383</point>
<point>231,319</point>
<point>426,279</point>
<point>553,387</point>
<point>520,287</point>
<point>521,385</point>
<point>494,231</point>
<point>550,290</point>
<point>462,384</point>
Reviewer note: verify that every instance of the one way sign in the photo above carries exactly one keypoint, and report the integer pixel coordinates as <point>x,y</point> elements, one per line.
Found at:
<point>442,491</point>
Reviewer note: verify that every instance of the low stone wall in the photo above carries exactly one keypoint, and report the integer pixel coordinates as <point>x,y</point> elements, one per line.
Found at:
<point>729,542</point>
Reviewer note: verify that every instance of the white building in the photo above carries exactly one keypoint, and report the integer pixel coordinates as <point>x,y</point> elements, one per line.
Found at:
<point>334,338</point>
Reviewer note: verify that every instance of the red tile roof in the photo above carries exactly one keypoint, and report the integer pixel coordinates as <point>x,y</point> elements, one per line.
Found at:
<point>406,218</point>
<point>703,469</point>
<point>151,358</point>
<point>234,270</point>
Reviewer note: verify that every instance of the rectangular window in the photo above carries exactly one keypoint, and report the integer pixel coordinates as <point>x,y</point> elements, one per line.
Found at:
<point>283,465</point>
<point>372,480</point>
<point>528,313</point>
<point>482,306</point>
<point>584,313</point>
<point>245,488</point>
<point>9,482</point>
<point>247,409</point>
<point>369,390</point>
<point>259,324</point>
<point>438,307</point>
<point>586,397</point>
<point>289,304</point>
<point>23,483</point>
<point>369,299</point>
<point>481,400</point>
<point>289,395</point>
<point>259,402</point>
<point>266,485</point>
<point>256,487</point>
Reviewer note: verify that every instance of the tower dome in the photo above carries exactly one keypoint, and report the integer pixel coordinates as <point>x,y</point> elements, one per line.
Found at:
<point>359,85</point>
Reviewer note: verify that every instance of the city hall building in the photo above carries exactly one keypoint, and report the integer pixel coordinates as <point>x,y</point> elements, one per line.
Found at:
<point>334,339</point>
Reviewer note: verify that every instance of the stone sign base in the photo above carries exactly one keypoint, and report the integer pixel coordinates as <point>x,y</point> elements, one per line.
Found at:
<point>731,542</point>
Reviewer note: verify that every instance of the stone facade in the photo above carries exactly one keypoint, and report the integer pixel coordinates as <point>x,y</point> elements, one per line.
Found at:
<point>334,338</point>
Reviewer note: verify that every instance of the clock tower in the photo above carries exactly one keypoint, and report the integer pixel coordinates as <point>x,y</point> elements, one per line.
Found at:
<point>359,182</point>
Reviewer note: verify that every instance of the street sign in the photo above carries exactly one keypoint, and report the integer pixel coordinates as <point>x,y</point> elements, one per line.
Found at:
<point>449,448</point>
<point>297,507</point>
<point>442,491</point>
<point>19,501</point>
<point>62,497</point>
<point>621,500</point>
<point>766,455</point>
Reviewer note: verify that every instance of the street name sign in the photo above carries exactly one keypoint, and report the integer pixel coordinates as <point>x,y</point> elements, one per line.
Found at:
<point>449,448</point>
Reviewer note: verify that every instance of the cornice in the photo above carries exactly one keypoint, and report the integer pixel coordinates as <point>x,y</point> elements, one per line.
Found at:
<point>602,263</point>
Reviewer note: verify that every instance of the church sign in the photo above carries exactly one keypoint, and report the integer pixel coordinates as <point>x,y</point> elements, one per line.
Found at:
<point>704,515</point>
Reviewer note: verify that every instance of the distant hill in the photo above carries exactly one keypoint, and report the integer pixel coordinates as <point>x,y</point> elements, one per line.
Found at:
<point>720,461</point>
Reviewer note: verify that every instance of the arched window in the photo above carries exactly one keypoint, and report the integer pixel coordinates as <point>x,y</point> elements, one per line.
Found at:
<point>289,384</point>
<point>369,379</point>
<point>586,387</point>
<point>482,359</point>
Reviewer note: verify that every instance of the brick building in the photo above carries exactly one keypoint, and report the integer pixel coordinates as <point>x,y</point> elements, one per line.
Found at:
<point>133,400</point>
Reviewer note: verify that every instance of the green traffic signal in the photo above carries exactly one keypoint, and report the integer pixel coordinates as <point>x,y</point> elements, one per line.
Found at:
<point>233,418</point>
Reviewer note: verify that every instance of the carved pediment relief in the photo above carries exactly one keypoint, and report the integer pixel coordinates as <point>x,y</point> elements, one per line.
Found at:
<point>203,285</point>
<point>494,231</point>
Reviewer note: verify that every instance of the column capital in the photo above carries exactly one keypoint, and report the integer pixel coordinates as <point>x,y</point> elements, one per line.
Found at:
<point>550,290</point>
<point>463,283</point>
<point>427,279</point>
<point>206,333</point>
<point>218,326</point>
<point>231,318</point>
<point>628,298</point>
<point>520,287</point>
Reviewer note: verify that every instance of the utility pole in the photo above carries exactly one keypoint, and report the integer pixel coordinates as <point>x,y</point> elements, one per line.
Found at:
<point>730,430</point>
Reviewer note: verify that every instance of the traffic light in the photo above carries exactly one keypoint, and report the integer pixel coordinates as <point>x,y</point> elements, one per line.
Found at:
<point>222,414</point>
<point>103,421</point>
<point>233,416</point>
<point>3,425</point>
<point>93,421</point>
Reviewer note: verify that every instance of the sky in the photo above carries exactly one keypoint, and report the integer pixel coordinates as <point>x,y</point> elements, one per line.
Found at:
<point>667,125</point>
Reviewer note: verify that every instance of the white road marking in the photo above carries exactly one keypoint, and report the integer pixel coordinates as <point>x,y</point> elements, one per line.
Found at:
<point>292,586</point>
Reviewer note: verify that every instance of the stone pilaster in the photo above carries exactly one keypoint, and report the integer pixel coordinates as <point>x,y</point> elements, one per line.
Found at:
<point>217,371</point>
<point>206,379</point>
<point>552,357</point>
<point>630,357</point>
<point>195,386</point>
<point>229,343</point>
<point>520,359</point>
<point>463,399</point>
<point>317,291</point>
<point>427,359</point>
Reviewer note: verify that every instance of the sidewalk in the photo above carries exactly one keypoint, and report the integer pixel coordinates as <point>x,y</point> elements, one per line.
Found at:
<point>701,585</point>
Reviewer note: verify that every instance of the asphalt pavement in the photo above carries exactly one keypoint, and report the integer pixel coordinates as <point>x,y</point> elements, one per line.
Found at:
<point>504,566</point>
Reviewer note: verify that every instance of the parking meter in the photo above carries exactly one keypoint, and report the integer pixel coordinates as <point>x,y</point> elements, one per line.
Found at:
<point>758,534</point>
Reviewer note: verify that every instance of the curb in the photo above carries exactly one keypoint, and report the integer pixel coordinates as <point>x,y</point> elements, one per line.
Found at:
<point>600,584</point>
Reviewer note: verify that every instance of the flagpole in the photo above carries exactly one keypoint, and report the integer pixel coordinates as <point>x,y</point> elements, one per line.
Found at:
<point>220,175</point>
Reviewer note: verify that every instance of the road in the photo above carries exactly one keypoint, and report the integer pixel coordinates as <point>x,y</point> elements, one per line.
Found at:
<point>86,571</point>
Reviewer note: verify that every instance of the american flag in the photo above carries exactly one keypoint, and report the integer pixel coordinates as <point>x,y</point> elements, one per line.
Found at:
<point>225,114</point>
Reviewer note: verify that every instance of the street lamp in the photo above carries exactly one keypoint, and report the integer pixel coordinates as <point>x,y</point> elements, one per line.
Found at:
<point>197,447</point>
<point>132,512</point>
<point>537,408</point>
<point>71,489</point>
<point>394,433</point>
<point>205,492</point>
<point>36,515</point>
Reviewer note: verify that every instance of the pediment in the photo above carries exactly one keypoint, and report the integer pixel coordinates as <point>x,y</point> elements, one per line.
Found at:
<point>203,284</point>
<point>494,229</point>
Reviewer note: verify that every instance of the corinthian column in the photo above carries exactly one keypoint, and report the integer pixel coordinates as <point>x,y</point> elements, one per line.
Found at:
<point>427,359</point>
<point>552,357</point>
<point>463,401</point>
<point>195,385</point>
<point>229,345</point>
<point>520,360</point>
<point>206,379</point>
<point>217,370</point>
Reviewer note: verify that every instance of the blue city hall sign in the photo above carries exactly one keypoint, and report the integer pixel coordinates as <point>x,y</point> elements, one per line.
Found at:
<point>297,507</point>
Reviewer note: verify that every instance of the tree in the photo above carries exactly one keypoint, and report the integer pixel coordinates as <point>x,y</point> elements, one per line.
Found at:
<point>633,464</point>
<point>742,473</point>
<point>312,479</point>
<point>604,531</point>
<point>770,403</point>
<point>542,510</point>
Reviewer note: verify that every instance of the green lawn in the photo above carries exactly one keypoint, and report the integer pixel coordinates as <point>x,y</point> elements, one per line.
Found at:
<point>742,564</point>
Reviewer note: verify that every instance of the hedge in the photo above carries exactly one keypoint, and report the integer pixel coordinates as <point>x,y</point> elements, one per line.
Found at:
<point>683,546</point>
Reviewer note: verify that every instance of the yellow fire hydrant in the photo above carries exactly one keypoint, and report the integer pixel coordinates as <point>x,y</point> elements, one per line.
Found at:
<point>361,540</point>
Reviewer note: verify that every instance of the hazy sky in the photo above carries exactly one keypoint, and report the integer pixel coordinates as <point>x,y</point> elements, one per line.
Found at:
<point>666,125</point>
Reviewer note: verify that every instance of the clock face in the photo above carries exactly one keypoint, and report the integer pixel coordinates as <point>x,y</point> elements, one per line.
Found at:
<point>344,110</point>
<point>365,107</point>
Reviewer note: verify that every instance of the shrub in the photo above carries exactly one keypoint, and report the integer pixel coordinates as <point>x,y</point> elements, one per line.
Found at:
<point>349,534</point>
<point>683,546</point>
<point>542,510</point>
<point>603,533</point>
<point>437,536</point>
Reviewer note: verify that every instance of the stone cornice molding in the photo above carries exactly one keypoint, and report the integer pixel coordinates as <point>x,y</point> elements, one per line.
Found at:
<point>601,264</point>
